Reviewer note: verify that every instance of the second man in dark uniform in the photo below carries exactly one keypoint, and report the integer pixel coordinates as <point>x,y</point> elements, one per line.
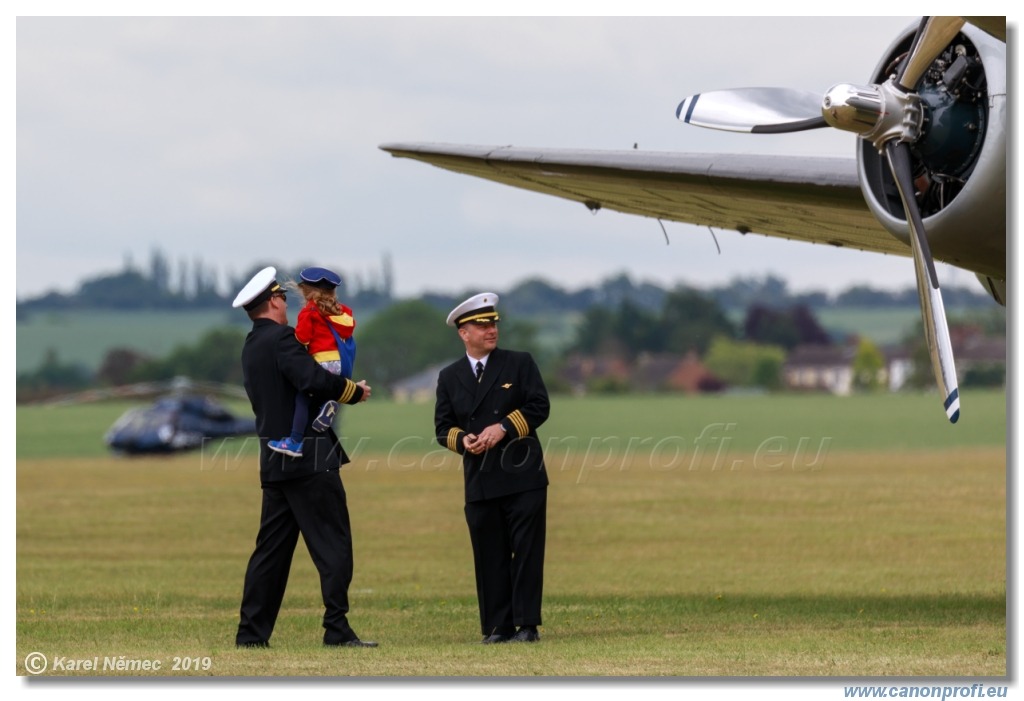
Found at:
<point>489,405</point>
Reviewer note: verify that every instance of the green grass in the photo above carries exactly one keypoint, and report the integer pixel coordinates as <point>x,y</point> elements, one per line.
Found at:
<point>886,558</point>
<point>77,431</point>
<point>602,427</point>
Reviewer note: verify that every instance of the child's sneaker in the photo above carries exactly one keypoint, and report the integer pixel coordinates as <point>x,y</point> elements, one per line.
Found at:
<point>325,419</point>
<point>286,446</point>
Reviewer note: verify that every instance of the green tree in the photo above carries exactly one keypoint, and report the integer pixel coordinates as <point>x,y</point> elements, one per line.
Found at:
<point>741,293</point>
<point>625,330</point>
<point>744,364</point>
<point>524,335</point>
<point>985,375</point>
<point>768,371</point>
<point>534,296</point>
<point>52,377</point>
<point>125,290</point>
<point>216,357</point>
<point>401,340</point>
<point>867,365</point>
<point>690,320</point>
<point>783,327</point>
<point>118,365</point>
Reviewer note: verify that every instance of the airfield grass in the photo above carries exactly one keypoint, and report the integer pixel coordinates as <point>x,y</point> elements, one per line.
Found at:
<point>883,554</point>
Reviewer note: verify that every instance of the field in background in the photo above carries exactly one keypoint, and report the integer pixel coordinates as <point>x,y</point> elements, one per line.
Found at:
<point>814,536</point>
<point>85,337</point>
<point>881,325</point>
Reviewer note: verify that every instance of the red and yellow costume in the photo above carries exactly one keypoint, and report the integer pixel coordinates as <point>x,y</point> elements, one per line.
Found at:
<point>313,330</point>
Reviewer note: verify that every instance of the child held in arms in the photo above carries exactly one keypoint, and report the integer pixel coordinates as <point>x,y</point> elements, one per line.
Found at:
<point>325,327</point>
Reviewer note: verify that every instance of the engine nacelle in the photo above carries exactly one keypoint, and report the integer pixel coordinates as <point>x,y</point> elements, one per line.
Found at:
<point>960,159</point>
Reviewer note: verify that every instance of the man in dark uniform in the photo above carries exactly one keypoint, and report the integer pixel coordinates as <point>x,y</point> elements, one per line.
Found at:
<point>489,405</point>
<point>300,494</point>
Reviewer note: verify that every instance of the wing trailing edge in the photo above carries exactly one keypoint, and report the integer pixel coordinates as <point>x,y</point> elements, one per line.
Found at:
<point>813,199</point>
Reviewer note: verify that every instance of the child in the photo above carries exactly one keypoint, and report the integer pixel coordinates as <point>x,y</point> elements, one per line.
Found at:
<point>325,327</point>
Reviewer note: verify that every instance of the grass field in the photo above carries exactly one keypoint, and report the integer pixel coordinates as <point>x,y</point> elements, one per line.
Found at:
<point>712,537</point>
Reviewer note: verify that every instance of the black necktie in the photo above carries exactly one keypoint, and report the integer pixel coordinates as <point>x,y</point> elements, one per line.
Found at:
<point>479,370</point>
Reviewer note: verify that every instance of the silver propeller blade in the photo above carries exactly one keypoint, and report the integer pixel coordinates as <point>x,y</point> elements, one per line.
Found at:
<point>753,110</point>
<point>933,36</point>
<point>933,312</point>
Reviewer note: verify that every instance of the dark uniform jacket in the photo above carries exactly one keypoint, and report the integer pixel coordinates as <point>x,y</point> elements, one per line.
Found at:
<point>275,365</point>
<point>512,393</point>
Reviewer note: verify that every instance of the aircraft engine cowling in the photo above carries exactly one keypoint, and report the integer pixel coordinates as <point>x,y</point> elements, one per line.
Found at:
<point>959,160</point>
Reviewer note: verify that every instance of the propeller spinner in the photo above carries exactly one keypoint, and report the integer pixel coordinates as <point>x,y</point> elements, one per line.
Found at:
<point>889,115</point>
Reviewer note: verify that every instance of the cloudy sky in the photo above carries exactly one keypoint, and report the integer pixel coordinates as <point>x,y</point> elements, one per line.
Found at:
<point>237,140</point>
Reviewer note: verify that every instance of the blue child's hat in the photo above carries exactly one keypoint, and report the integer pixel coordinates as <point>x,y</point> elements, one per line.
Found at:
<point>320,277</point>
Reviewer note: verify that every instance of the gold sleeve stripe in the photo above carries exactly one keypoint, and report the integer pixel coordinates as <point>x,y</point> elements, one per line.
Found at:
<point>519,421</point>
<point>348,393</point>
<point>453,439</point>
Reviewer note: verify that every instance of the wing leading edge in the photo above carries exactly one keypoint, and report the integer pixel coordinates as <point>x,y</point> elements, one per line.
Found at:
<point>802,198</point>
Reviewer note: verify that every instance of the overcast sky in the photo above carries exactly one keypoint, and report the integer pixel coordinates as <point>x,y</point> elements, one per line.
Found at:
<point>239,140</point>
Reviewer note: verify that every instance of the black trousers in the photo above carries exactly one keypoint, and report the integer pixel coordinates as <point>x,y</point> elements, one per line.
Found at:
<point>314,506</point>
<point>508,535</point>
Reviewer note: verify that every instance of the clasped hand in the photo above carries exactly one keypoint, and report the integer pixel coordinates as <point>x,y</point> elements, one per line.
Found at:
<point>488,438</point>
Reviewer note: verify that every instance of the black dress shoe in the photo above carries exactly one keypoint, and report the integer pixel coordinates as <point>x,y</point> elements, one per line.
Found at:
<point>496,638</point>
<point>254,643</point>
<point>354,642</point>
<point>526,634</point>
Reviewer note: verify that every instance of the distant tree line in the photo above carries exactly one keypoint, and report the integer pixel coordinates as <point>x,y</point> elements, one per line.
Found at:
<point>536,296</point>
<point>196,285</point>
<point>410,335</point>
<point>742,331</point>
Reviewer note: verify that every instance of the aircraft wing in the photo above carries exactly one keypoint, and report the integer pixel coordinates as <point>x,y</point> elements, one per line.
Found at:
<point>803,198</point>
